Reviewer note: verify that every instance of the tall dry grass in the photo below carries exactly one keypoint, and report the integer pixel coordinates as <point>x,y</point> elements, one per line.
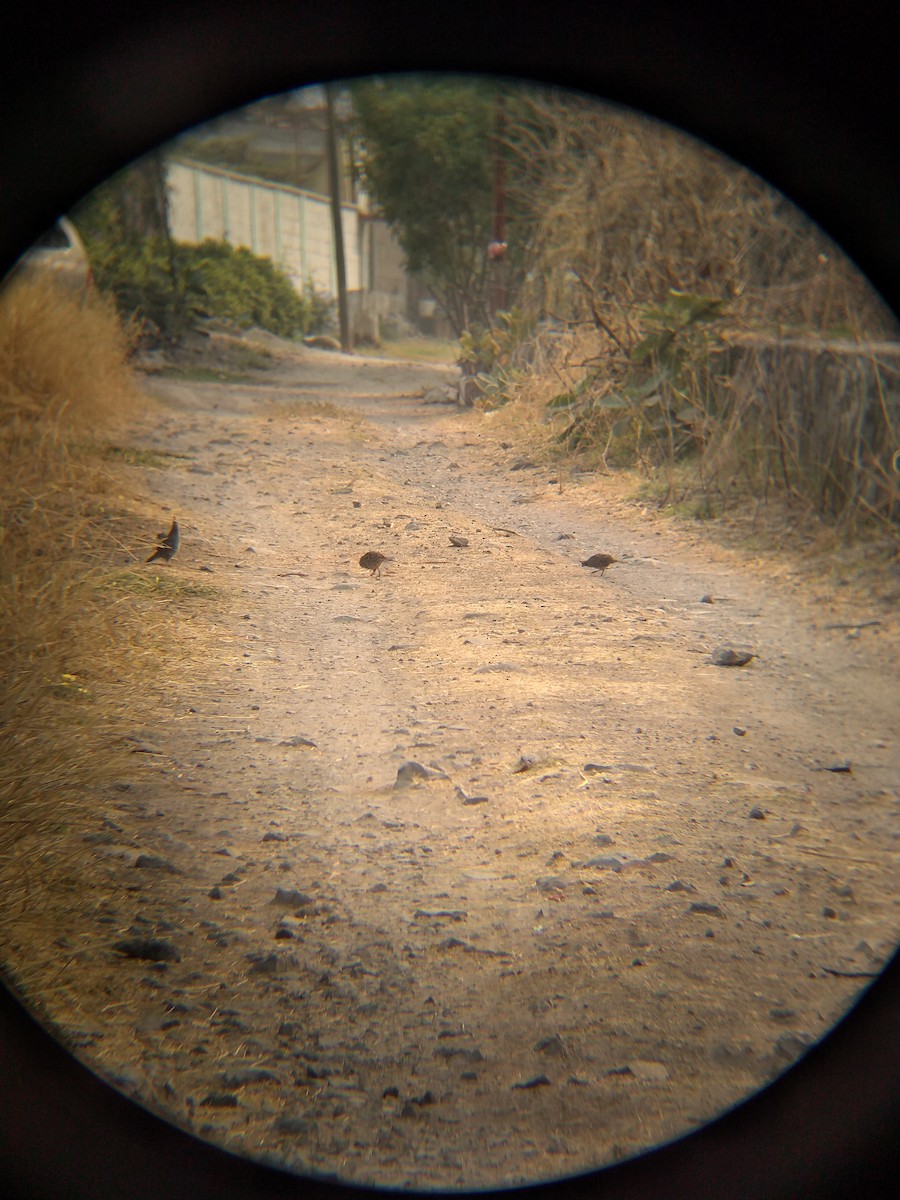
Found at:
<point>793,392</point>
<point>64,381</point>
<point>638,208</point>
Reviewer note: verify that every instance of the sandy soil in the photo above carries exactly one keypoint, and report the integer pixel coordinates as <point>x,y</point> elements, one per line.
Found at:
<point>622,889</point>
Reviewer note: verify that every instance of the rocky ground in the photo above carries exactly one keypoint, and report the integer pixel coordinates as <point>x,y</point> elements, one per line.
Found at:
<point>480,870</point>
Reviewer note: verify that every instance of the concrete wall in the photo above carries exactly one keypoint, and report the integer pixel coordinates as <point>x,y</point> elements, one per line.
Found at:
<point>290,226</point>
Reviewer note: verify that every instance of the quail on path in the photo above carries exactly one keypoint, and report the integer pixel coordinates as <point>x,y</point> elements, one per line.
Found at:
<point>166,544</point>
<point>599,562</point>
<point>372,560</point>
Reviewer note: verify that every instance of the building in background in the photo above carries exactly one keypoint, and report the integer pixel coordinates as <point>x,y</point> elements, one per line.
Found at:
<point>258,178</point>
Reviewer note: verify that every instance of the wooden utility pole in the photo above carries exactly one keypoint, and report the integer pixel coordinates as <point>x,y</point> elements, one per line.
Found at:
<point>334,179</point>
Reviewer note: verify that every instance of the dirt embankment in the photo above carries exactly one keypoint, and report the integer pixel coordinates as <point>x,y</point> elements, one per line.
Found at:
<point>622,887</point>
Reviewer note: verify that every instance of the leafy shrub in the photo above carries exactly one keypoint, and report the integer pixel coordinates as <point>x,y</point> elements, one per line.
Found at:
<point>495,356</point>
<point>220,280</point>
<point>176,284</point>
<point>664,389</point>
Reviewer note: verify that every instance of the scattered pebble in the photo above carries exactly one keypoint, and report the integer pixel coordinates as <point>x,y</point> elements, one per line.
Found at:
<point>151,862</point>
<point>149,949</point>
<point>551,883</point>
<point>782,1014</point>
<point>410,771</point>
<point>471,1055</point>
<point>791,1045</point>
<point>550,1045</point>
<point>603,863</point>
<point>291,898</point>
<point>523,763</point>
<point>451,943</point>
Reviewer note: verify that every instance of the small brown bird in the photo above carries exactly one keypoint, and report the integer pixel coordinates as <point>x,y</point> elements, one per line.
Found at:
<point>166,544</point>
<point>372,560</point>
<point>599,562</point>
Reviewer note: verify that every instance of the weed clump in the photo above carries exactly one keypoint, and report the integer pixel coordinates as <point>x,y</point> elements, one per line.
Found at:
<point>63,380</point>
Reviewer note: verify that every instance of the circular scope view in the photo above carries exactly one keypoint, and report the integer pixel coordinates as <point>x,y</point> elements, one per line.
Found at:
<point>449,625</point>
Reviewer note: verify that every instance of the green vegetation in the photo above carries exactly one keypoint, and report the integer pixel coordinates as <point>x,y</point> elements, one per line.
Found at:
<point>166,587</point>
<point>496,356</point>
<point>173,286</point>
<point>426,152</point>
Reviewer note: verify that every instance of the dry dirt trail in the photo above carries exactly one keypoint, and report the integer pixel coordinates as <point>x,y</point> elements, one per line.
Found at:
<point>625,890</point>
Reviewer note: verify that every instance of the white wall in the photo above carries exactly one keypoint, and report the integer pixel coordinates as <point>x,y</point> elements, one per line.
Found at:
<point>286,224</point>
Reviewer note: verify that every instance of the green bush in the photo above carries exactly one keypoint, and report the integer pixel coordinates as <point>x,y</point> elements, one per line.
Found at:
<point>220,280</point>
<point>176,284</point>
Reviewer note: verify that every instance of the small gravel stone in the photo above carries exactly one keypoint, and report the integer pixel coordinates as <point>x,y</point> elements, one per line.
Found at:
<point>550,1045</point>
<point>410,771</point>
<point>603,863</point>
<point>291,898</point>
<point>148,949</point>
<point>535,1082</point>
<point>151,862</point>
<point>782,1014</point>
<point>791,1045</point>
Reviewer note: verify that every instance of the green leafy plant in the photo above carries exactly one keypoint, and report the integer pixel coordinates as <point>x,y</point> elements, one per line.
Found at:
<point>494,356</point>
<point>157,282</point>
<point>663,393</point>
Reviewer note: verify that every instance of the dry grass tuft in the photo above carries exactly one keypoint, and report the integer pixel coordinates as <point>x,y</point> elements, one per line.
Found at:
<point>64,380</point>
<point>63,365</point>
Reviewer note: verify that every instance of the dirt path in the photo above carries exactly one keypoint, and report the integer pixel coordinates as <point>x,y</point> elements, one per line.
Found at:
<point>625,890</point>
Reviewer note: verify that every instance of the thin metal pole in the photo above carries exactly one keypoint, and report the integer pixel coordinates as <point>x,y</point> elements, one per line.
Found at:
<point>335,186</point>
